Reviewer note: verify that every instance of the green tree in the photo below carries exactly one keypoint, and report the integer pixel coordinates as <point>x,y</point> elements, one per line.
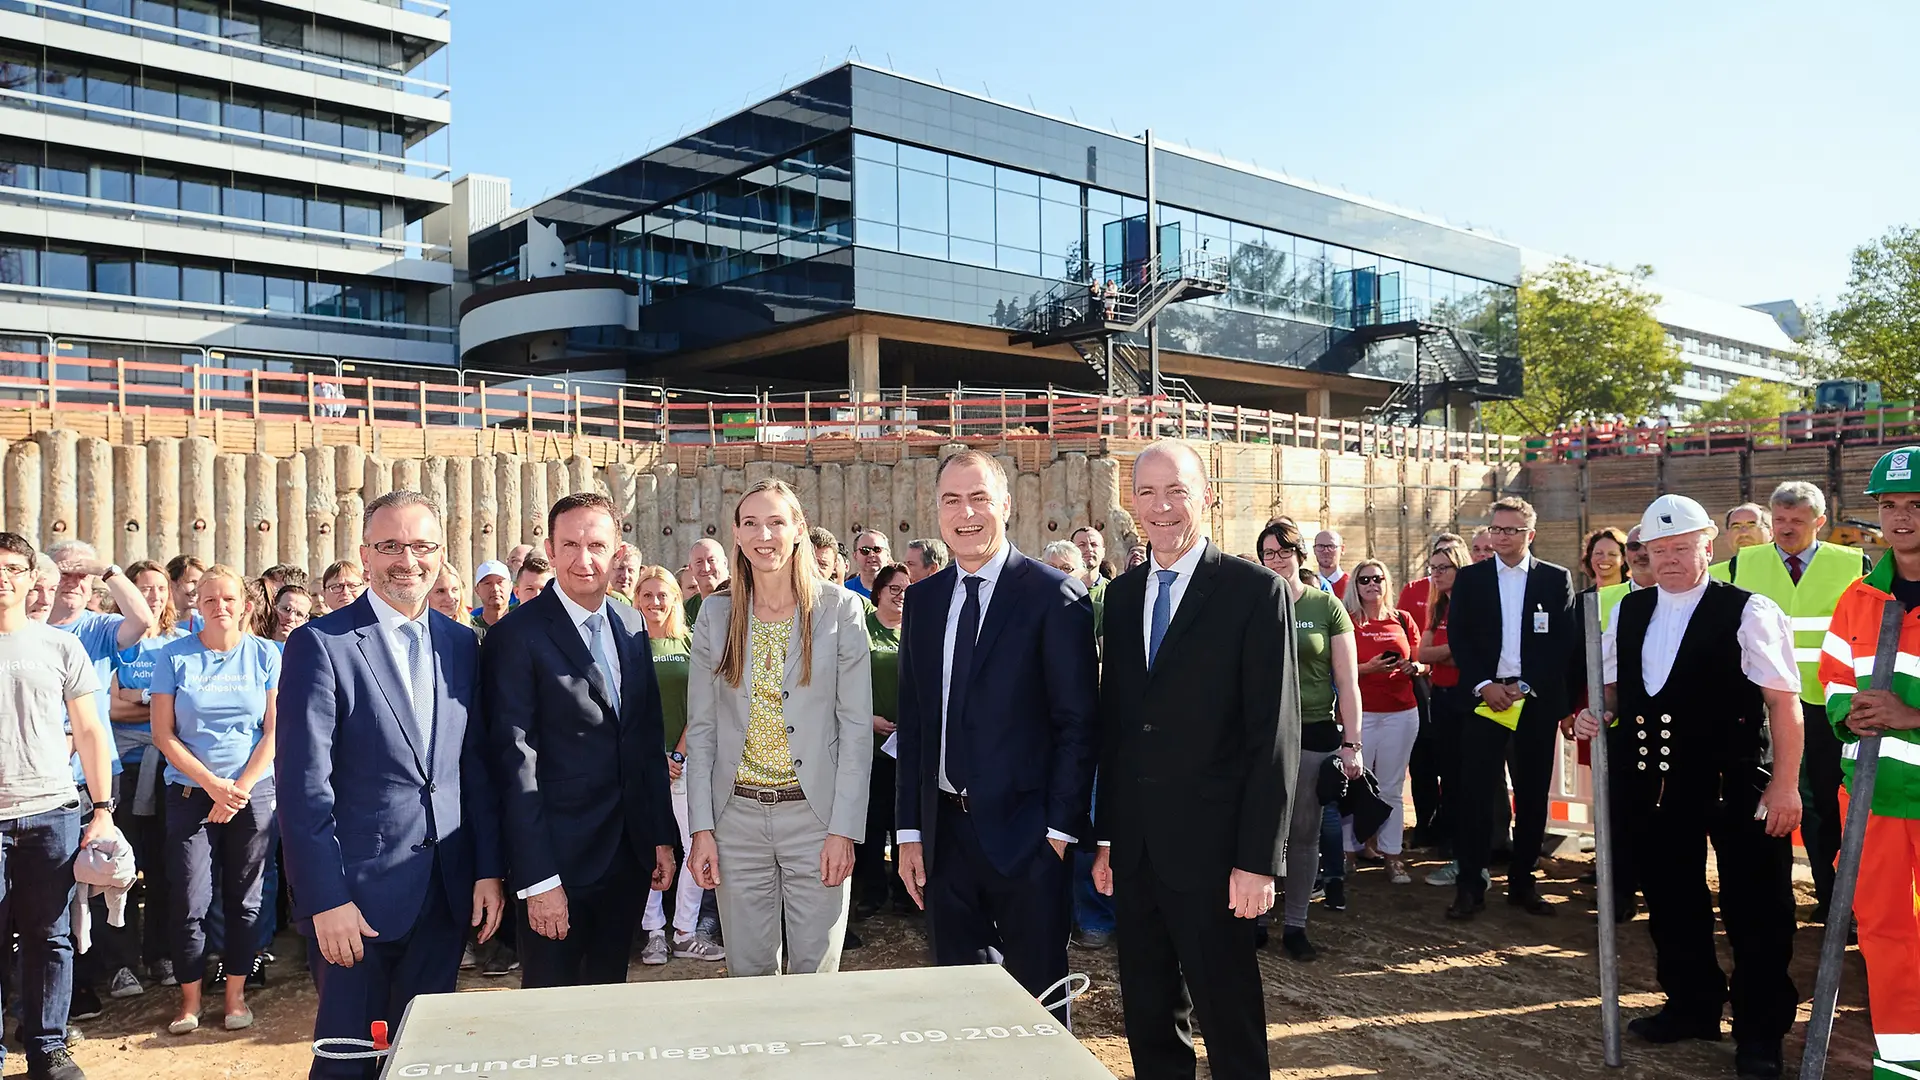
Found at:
<point>1592,349</point>
<point>1751,399</point>
<point>1873,332</point>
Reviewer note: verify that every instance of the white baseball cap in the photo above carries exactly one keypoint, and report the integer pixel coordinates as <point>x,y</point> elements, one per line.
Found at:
<point>1673,515</point>
<point>491,568</point>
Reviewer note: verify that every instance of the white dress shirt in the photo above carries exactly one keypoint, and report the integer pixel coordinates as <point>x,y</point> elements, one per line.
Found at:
<point>391,620</point>
<point>989,575</point>
<point>1184,566</point>
<point>580,615</point>
<point>1513,612</point>
<point>1765,635</point>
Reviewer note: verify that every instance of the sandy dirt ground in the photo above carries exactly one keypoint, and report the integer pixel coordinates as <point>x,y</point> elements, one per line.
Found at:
<point>1398,992</point>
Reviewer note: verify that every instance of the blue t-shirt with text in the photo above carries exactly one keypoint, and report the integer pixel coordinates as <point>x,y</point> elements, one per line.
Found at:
<point>99,634</point>
<point>219,700</point>
<point>136,666</point>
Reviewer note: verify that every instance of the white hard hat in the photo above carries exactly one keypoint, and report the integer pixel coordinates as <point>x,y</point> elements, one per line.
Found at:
<point>1673,515</point>
<point>490,568</point>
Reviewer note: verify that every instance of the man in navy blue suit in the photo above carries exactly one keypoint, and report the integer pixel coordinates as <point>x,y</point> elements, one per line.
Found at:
<point>389,823</point>
<point>998,691</point>
<point>575,729</point>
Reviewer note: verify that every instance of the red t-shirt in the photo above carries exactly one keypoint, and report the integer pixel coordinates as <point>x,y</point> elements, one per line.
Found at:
<point>1415,598</point>
<point>1385,692</point>
<point>1443,674</point>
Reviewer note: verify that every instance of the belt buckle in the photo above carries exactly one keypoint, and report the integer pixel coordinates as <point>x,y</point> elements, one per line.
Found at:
<point>767,796</point>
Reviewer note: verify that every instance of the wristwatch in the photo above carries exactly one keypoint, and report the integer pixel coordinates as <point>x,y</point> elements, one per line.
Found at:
<point>110,805</point>
<point>112,571</point>
<point>677,757</point>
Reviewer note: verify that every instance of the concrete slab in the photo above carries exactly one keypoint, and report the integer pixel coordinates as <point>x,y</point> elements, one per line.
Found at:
<point>924,1022</point>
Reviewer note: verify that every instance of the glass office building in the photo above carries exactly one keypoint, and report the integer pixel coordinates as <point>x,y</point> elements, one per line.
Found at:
<point>233,183</point>
<point>869,219</point>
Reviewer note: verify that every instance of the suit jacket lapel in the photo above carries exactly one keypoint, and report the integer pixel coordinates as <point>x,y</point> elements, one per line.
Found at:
<point>635,649</point>
<point>566,635</point>
<point>1000,606</point>
<point>1126,598</point>
<point>1194,599</point>
<point>386,676</point>
<point>929,638</point>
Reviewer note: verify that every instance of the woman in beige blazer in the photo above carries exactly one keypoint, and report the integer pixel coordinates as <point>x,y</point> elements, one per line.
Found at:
<point>779,743</point>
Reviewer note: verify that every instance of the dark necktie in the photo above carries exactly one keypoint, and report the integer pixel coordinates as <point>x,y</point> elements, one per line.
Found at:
<point>959,756</point>
<point>1793,568</point>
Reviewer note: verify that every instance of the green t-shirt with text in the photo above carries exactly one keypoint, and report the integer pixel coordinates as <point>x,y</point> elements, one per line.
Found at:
<point>886,669</point>
<point>1318,618</point>
<point>670,659</point>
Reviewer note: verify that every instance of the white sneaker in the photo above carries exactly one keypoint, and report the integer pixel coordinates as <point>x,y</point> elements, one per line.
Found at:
<point>125,985</point>
<point>697,947</point>
<point>655,953</point>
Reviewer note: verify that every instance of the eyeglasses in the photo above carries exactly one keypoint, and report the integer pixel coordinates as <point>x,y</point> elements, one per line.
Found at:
<point>1326,547</point>
<point>896,591</point>
<point>1507,530</point>
<point>16,570</point>
<point>341,585</point>
<point>1370,579</point>
<point>420,548</point>
<point>869,549</point>
<point>1634,545</point>
<point>1441,568</point>
<point>1276,554</point>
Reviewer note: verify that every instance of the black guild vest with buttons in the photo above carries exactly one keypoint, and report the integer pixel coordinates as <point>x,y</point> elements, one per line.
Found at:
<point>1706,728</point>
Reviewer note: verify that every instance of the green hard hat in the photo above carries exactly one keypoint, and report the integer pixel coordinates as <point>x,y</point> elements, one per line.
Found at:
<point>1896,471</point>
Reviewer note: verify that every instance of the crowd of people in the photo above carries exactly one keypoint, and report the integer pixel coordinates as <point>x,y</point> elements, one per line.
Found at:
<point>573,757</point>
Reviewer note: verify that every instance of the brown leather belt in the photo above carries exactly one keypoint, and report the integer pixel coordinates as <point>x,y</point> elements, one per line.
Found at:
<point>770,795</point>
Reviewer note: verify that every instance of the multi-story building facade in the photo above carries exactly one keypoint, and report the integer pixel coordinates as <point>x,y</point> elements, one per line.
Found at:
<point>1723,343</point>
<point>235,183</point>
<point>868,229</point>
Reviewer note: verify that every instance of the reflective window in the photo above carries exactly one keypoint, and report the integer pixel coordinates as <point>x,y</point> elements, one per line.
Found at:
<point>111,183</point>
<point>157,281</point>
<point>65,269</point>
<point>200,196</point>
<point>969,211</point>
<point>323,214</point>
<point>246,290</point>
<point>244,203</point>
<point>923,201</point>
<point>200,105</point>
<point>157,97</point>
<point>154,188</point>
<point>285,209</point>
<point>200,285</point>
<point>113,274</point>
<point>876,191</point>
<point>286,296</point>
<point>1018,217</point>
<point>19,265</point>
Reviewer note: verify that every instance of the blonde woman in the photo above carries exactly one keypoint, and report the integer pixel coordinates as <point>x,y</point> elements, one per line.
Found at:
<point>213,696</point>
<point>657,597</point>
<point>779,743</point>
<point>1385,639</point>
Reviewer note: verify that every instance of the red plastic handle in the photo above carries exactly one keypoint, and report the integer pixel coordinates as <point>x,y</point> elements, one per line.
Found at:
<point>380,1035</point>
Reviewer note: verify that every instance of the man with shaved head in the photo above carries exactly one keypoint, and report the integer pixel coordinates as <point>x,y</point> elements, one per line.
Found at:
<point>1328,548</point>
<point>1195,788</point>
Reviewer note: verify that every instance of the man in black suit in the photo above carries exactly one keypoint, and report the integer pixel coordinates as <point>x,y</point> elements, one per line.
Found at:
<point>574,718</point>
<point>997,696</point>
<point>1515,631</point>
<point>1199,747</point>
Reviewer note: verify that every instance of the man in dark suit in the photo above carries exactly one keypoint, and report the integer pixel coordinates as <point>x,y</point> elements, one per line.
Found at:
<point>997,696</point>
<point>573,713</point>
<point>1514,627</point>
<point>1199,747</point>
<point>390,825</point>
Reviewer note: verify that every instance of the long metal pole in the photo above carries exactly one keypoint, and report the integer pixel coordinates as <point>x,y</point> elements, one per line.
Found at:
<point>1833,943</point>
<point>1151,271</point>
<point>1603,842</point>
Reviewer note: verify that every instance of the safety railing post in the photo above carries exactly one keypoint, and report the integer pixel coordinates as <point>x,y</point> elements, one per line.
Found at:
<point>423,404</point>
<point>120,385</point>
<point>481,389</point>
<point>310,389</point>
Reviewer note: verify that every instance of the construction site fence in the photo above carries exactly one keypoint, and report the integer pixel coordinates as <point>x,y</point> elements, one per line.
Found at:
<point>1897,422</point>
<point>386,396</point>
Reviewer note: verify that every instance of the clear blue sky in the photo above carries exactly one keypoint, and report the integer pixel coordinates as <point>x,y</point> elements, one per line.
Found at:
<point>1741,148</point>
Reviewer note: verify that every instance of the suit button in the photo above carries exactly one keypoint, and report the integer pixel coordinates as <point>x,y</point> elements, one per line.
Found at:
<point>789,729</point>
<point>432,787</point>
<point>1146,727</point>
<point>784,695</point>
<point>796,763</point>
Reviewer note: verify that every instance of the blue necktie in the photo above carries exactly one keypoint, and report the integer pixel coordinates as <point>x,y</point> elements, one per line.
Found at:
<point>959,759</point>
<point>1162,613</point>
<point>420,686</point>
<point>595,624</point>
